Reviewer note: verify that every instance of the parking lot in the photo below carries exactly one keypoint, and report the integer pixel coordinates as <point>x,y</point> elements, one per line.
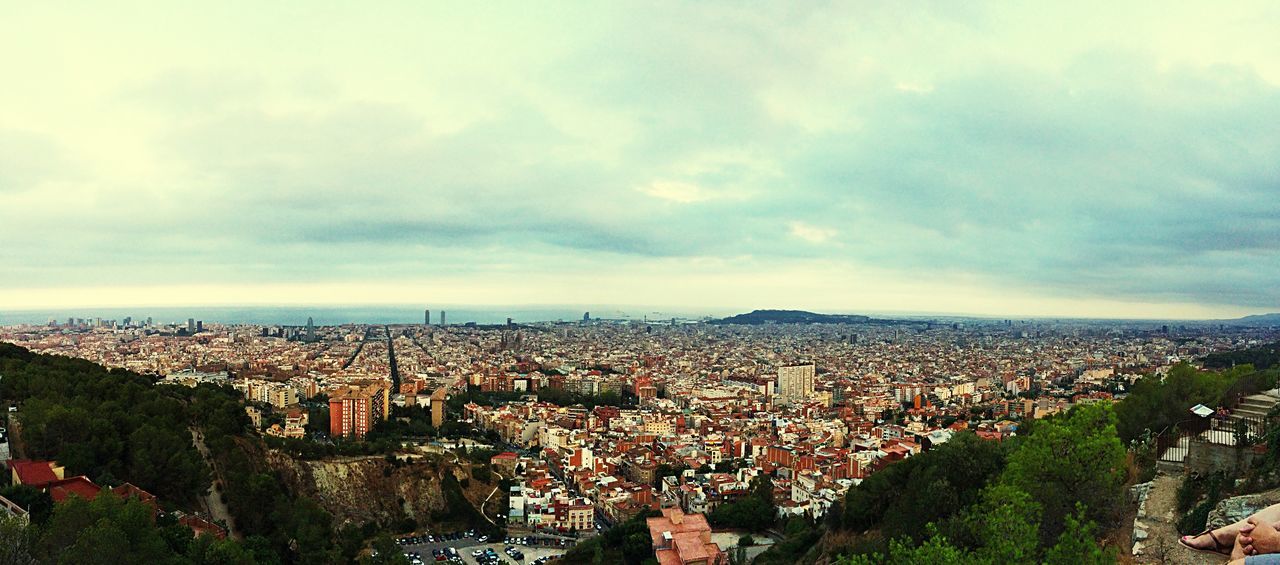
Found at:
<point>469,548</point>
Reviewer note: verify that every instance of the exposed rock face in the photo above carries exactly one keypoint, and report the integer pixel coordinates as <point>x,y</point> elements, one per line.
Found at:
<point>1240,507</point>
<point>360,490</point>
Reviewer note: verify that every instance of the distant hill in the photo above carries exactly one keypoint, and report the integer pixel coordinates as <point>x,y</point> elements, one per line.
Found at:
<point>1256,320</point>
<point>1261,357</point>
<point>758,317</point>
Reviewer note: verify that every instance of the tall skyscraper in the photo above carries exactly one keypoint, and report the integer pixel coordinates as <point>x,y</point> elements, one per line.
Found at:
<point>191,325</point>
<point>199,326</point>
<point>795,383</point>
<point>586,316</point>
<point>311,329</point>
<point>442,319</point>
<point>426,320</point>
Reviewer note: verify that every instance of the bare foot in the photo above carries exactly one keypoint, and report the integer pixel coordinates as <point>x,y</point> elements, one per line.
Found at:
<point>1208,541</point>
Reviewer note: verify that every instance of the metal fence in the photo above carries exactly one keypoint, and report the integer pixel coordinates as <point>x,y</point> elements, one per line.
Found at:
<point>1234,431</point>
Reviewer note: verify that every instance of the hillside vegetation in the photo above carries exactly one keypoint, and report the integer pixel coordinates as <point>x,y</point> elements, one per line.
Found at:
<point>1041,497</point>
<point>116,426</point>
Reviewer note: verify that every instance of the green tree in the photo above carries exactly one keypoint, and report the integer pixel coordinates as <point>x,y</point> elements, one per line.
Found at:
<point>105,530</point>
<point>666,470</point>
<point>929,487</point>
<point>1007,522</point>
<point>37,502</point>
<point>1160,404</point>
<point>1077,545</point>
<point>755,512</point>
<point>387,552</point>
<point>101,543</point>
<point>1068,459</point>
<point>15,541</point>
<point>637,547</point>
<point>208,550</point>
<point>935,550</point>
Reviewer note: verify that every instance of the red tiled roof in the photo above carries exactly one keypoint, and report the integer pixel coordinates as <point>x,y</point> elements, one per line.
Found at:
<point>199,526</point>
<point>34,473</point>
<point>127,490</point>
<point>79,485</point>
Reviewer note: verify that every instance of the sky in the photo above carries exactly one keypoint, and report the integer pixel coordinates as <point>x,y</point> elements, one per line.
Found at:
<point>1092,159</point>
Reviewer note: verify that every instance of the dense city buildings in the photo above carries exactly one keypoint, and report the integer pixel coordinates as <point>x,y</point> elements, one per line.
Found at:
<point>597,421</point>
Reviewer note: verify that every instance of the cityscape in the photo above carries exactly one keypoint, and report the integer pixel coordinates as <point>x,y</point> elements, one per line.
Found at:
<point>666,283</point>
<point>593,422</point>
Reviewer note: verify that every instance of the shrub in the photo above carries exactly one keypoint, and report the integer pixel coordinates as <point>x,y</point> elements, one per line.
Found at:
<point>1189,492</point>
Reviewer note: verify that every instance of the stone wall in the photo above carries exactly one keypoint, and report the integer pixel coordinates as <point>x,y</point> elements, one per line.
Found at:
<point>1204,458</point>
<point>1138,494</point>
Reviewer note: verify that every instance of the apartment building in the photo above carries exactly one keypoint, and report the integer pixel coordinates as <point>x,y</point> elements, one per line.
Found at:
<point>795,383</point>
<point>353,411</point>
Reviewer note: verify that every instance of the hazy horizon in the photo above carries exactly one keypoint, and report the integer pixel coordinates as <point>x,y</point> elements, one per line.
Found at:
<point>1094,159</point>
<point>402,314</point>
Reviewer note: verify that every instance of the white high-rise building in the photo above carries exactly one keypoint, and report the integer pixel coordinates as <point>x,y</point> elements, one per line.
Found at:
<point>795,383</point>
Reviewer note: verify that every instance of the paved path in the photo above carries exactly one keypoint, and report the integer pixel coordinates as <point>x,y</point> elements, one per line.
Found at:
<point>17,447</point>
<point>213,502</point>
<point>485,504</point>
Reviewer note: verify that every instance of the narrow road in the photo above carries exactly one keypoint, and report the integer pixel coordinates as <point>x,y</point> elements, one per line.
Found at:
<point>391,360</point>
<point>355,354</point>
<point>213,502</point>
<point>485,505</point>
<point>17,447</point>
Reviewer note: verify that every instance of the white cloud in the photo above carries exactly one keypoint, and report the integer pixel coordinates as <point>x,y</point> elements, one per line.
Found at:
<point>914,87</point>
<point>1021,144</point>
<point>675,191</point>
<point>811,233</point>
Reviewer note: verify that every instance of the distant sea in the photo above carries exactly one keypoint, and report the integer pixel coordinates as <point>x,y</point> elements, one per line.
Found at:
<point>334,315</point>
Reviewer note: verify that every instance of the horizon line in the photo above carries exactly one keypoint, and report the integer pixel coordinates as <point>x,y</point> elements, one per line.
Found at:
<point>700,311</point>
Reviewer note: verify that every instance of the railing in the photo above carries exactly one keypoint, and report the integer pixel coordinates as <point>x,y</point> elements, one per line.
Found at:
<point>1172,447</point>
<point>1234,431</point>
<point>12,508</point>
<point>1237,430</point>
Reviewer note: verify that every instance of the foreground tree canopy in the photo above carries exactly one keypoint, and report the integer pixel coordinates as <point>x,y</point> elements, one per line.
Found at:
<point>1038,497</point>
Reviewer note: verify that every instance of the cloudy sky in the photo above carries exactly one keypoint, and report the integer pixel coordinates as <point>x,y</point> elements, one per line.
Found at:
<point>1027,158</point>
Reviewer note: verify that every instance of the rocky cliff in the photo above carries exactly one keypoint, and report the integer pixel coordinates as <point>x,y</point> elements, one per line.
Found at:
<point>364,489</point>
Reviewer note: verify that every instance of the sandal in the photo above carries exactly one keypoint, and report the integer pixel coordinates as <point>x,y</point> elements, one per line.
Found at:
<point>1218,547</point>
